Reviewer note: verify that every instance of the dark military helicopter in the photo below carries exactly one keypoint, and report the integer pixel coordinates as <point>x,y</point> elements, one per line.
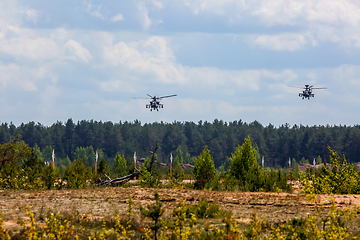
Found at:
<point>307,92</point>
<point>155,102</point>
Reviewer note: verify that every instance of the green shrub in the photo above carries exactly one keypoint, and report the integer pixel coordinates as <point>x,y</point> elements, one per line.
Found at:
<point>343,178</point>
<point>201,208</point>
<point>77,175</point>
<point>147,180</point>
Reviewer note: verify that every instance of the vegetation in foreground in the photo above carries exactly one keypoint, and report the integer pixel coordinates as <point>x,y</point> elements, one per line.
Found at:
<point>187,221</point>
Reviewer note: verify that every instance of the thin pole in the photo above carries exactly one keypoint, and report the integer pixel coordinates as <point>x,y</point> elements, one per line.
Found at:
<point>171,159</point>
<point>96,159</point>
<point>134,164</point>
<point>53,159</point>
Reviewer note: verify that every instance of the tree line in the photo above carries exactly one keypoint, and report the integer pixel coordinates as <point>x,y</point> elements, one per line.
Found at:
<point>275,144</point>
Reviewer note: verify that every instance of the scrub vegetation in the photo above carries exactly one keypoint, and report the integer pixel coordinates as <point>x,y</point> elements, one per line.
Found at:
<point>238,200</point>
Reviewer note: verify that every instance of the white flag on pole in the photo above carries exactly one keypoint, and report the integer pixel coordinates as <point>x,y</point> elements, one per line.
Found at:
<point>135,157</point>
<point>171,158</point>
<point>96,156</point>
<point>53,155</point>
<point>262,161</point>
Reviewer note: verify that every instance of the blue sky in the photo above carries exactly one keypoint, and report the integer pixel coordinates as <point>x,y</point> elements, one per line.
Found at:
<point>230,60</point>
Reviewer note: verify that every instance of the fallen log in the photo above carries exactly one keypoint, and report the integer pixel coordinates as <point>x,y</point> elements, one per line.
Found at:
<point>122,180</point>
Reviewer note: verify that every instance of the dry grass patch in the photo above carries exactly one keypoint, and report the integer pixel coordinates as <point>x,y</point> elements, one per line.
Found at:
<point>109,202</point>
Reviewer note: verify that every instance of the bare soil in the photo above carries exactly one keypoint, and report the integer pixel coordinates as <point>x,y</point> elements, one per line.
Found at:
<point>109,202</point>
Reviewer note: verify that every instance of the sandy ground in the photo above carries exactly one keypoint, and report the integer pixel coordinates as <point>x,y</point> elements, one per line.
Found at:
<point>109,202</point>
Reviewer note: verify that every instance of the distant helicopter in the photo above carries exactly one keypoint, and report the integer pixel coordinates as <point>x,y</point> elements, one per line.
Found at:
<point>307,92</point>
<point>155,102</point>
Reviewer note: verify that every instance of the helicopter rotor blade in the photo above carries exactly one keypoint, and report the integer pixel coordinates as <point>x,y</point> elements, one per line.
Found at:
<point>167,96</point>
<point>296,87</point>
<point>320,88</point>
<point>149,95</point>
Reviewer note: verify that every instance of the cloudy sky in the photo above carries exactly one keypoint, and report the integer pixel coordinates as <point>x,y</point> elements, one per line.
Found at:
<point>229,59</point>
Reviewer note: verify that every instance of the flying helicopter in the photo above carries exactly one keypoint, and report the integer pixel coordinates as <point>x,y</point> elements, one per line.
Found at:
<point>307,92</point>
<point>155,102</point>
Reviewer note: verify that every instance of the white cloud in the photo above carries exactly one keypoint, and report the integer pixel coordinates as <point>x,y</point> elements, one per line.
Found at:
<point>38,48</point>
<point>348,76</point>
<point>10,13</point>
<point>159,5</point>
<point>94,11</point>
<point>151,57</point>
<point>76,51</point>
<point>326,20</point>
<point>193,106</point>
<point>152,60</point>
<point>287,12</point>
<point>145,21</point>
<point>281,42</point>
<point>31,15</point>
<point>118,17</point>
<point>217,7</point>
<point>21,77</point>
<point>35,63</point>
<point>120,85</point>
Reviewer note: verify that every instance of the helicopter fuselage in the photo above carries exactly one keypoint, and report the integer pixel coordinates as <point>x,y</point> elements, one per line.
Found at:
<point>307,93</point>
<point>154,105</point>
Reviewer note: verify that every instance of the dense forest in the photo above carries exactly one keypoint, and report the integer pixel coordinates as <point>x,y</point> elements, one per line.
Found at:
<point>276,144</point>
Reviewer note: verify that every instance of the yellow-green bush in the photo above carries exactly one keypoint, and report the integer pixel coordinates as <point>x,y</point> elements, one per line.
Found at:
<point>343,178</point>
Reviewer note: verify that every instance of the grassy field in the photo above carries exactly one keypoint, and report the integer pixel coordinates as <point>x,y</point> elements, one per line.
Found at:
<point>110,202</point>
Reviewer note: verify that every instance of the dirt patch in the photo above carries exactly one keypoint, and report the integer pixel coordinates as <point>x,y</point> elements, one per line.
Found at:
<point>109,202</point>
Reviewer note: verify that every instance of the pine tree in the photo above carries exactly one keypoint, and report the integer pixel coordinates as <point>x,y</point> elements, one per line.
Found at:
<point>204,169</point>
<point>243,161</point>
<point>154,211</point>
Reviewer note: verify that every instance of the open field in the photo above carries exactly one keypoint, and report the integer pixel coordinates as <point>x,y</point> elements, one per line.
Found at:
<point>108,202</point>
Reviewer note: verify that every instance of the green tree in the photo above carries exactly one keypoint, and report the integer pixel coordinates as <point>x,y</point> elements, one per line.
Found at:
<point>77,174</point>
<point>119,167</point>
<point>103,167</point>
<point>90,153</point>
<point>47,154</point>
<point>177,171</point>
<point>80,153</point>
<point>318,160</point>
<point>38,152</point>
<point>244,161</point>
<point>65,161</point>
<point>13,151</point>
<point>204,170</point>
<point>304,161</point>
<point>21,167</point>
<point>48,176</point>
<point>187,158</point>
<point>180,154</point>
